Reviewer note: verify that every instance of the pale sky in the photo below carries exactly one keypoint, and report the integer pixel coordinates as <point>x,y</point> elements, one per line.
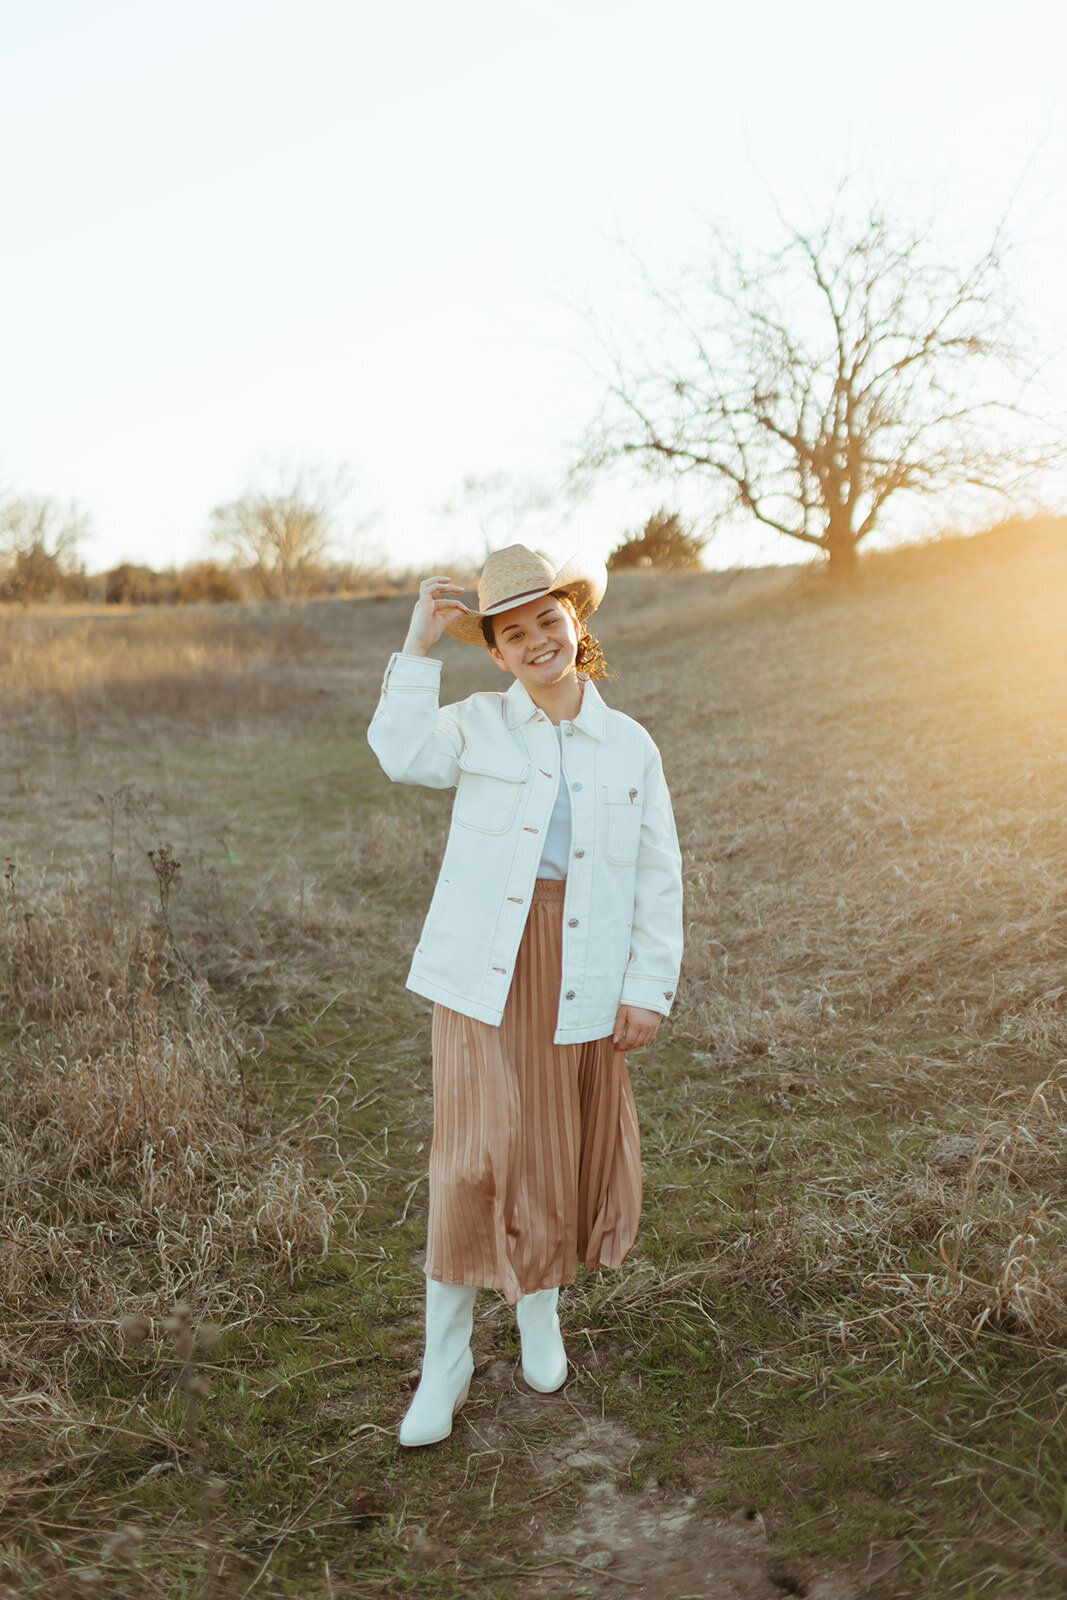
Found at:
<point>359,232</point>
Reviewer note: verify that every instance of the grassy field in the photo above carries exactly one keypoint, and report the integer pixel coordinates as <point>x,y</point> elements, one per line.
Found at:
<point>834,1363</point>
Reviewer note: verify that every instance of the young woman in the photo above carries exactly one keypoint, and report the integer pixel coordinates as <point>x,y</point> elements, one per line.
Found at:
<point>552,945</point>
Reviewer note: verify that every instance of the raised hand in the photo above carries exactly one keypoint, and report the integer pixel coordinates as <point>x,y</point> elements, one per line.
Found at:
<point>433,611</point>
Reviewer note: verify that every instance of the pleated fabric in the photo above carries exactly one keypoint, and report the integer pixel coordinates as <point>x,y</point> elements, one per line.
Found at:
<point>536,1156</point>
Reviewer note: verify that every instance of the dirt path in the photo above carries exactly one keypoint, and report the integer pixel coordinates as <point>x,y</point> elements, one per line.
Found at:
<point>647,1543</point>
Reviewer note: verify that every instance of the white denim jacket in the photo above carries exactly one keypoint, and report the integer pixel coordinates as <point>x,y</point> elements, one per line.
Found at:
<point>622,909</point>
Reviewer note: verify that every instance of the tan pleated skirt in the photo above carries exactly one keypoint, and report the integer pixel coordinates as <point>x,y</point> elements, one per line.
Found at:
<point>536,1156</point>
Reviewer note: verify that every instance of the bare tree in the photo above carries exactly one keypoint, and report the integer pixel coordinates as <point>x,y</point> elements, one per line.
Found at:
<point>39,539</point>
<point>811,387</point>
<point>287,530</point>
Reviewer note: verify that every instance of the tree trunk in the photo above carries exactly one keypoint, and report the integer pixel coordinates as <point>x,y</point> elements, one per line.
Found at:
<point>844,563</point>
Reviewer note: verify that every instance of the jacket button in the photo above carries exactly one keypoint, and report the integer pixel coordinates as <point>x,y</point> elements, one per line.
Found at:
<point>572,922</point>
<point>668,994</point>
<point>569,995</point>
<point>576,786</point>
<point>567,730</point>
<point>578,854</point>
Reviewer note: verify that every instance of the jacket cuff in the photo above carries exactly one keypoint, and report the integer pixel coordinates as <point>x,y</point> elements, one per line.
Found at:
<point>650,994</point>
<point>412,672</point>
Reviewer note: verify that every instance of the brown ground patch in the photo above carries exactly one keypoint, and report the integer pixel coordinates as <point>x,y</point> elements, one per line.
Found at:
<point>619,1537</point>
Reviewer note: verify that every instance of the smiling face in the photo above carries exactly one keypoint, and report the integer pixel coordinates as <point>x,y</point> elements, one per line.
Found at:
<point>537,641</point>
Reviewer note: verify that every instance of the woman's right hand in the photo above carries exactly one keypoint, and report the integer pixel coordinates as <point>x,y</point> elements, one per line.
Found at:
<point>433,611</point>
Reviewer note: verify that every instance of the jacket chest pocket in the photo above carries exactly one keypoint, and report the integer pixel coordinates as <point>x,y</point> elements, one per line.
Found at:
<point>488,793</point>
<point>622,828</point>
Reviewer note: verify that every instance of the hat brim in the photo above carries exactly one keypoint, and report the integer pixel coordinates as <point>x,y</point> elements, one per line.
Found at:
<point>583,583</point>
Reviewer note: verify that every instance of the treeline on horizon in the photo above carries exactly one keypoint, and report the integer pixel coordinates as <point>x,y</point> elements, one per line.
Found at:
<point>283,556</point>
<point>282,546</point>
<point>201,582</point>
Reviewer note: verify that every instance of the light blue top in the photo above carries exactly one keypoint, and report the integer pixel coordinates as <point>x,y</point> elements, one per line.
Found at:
<point>556,854</point>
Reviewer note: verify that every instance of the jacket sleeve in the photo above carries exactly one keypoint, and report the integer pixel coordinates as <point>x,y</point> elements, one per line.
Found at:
<point>651,977</point>
<point>415,739</point>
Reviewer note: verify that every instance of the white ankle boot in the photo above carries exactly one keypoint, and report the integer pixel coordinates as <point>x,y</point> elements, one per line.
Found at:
<point>544,1360</point>
<point>447,1364</point>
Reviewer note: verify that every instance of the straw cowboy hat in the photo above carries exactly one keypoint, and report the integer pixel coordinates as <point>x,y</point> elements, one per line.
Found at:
<point>513,576</point>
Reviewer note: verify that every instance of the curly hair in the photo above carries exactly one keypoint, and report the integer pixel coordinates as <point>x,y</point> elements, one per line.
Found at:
<point>589,660</point>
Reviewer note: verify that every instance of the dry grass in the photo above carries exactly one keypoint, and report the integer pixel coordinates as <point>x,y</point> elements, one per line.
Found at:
<point>871,793</point>
<point>136,1169</point>
<point>81,671</point>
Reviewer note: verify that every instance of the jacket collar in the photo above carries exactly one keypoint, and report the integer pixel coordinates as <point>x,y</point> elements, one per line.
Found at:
<point>591,719</point>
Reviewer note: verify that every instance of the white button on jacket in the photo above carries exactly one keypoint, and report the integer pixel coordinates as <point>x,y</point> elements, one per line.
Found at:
<point>622,935</point>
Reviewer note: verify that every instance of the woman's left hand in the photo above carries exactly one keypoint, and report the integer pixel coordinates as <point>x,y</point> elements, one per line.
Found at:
<point>634,1027</point>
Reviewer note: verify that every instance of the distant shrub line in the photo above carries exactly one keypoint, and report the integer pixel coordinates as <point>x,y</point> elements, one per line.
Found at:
<point>199,583</point>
